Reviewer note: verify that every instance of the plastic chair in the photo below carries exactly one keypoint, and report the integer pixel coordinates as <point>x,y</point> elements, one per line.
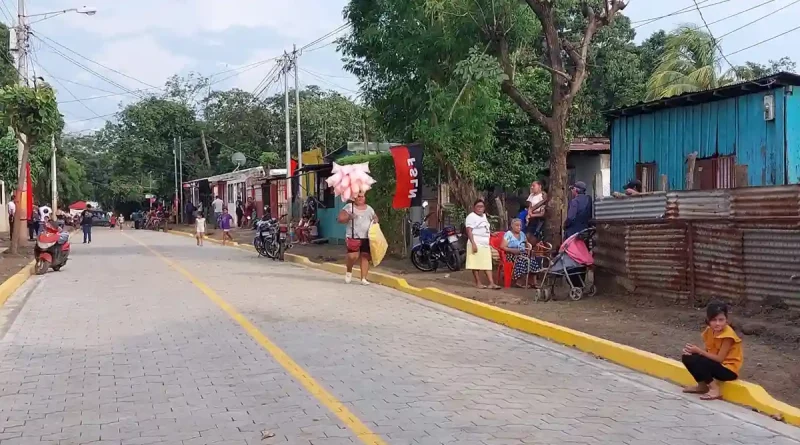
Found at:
<point>505,268</point>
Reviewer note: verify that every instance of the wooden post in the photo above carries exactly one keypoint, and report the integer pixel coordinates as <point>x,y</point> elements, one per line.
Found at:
<point>664,185</point>
<point>691,171</point>
<point>740,176</point>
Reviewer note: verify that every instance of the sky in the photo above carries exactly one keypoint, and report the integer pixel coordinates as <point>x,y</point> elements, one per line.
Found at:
<point>141,43</point>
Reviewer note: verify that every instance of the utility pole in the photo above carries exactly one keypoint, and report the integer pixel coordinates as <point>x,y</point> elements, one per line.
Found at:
<point>53,172</point>
<point>205,148</point>
<point>22,67</point>
<point>286,66</point>
<point>180,182</point>
<point>297,111</point>
<point>175,156</point>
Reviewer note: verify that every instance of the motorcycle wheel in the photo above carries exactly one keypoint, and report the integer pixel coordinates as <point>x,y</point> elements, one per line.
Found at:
<point>422,259</point>
<point>57,268</point>
<point>452,258</point>
<point>41,267</point>
<point>271,250</point>
<point>259,246</point>
<point>281,251</point>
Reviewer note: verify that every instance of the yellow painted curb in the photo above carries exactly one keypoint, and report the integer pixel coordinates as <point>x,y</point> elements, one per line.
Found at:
<point>8,287</point>
<point>739,392</point>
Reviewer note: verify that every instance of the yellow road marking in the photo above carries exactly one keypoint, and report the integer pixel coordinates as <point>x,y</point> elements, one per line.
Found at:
<point>364,434</point>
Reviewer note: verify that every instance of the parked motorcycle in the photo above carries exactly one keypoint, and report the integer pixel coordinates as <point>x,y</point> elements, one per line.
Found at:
<point>51,250</point>
<point>435,247</point>
<point>266,240</point>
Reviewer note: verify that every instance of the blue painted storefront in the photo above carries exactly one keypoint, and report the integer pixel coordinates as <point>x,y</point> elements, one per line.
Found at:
<point>722,122</point>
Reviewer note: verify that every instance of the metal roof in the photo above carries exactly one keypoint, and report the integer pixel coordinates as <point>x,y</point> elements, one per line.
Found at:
<point>590,144</point>
<point>728,91</point>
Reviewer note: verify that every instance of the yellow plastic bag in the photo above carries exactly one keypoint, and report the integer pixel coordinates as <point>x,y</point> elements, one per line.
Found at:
<point>377,244</point>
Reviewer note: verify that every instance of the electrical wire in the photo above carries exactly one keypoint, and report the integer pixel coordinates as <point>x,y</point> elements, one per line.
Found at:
<point>64,86</point>
<point>713,39</point>
<point>758,19</point>
<point>764,41</point>
<point>40,35</point>
<point>334,32</point>
<point>328,82</point>
<point>84,67</point>
<point>7,12</point>
<point>684,10</point>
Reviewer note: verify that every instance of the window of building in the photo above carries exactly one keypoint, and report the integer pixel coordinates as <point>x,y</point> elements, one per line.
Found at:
<point>646,173</point>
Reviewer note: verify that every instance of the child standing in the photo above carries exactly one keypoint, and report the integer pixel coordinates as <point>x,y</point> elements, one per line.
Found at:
<point>225,221</point>
<point>121,221</point>
<point>721,359</point>
<point>199,227</point>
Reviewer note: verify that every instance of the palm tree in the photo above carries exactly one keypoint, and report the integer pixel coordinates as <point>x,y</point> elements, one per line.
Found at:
<point>691,62</point>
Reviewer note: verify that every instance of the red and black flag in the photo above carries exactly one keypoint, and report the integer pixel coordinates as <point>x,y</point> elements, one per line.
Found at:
<point>408,172</point>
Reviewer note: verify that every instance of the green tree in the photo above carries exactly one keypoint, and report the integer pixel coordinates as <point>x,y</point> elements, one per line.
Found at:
<point>690,62</point>
<point>399,49</point>
<point>33,115</point>
<point>753,70</point>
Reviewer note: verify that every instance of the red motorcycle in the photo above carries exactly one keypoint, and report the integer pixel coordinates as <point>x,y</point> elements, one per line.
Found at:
<point>51,250</point>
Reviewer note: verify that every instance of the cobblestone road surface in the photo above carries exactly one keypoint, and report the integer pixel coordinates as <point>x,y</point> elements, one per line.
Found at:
<point>120,348</point>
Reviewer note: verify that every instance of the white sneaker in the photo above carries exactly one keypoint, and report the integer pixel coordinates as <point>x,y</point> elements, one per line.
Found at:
<point>348,277</point>
<point>364,282</point>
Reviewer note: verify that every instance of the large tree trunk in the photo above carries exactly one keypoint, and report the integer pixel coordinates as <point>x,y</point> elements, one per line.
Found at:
<point>557,193</point>
<point>463,191</point>
<point>19,222</point>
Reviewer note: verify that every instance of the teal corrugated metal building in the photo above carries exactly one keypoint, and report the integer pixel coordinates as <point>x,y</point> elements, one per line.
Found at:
<point>724,122</point>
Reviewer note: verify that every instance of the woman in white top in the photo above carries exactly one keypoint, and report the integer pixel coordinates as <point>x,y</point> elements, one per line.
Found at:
<point>537,201</point>
<point>479,253</point>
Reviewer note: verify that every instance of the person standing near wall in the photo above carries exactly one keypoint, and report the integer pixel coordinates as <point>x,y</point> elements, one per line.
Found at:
<point>216,207</point>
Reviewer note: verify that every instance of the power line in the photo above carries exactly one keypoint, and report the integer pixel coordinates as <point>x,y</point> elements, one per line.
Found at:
<point>40,35</point>
<point>7,12</point>
<point>684,10</point>
<point>84,67</point>
<point>764,41</point>
<point>335,31</point>
<point>64,86</point>
<point>716,43</point>
<point>92,118</point>
<point>736,14</point>
<point>328,82</point>
<point>758,19</point>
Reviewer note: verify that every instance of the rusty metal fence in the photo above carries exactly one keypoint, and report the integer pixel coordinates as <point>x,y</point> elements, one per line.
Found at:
<point>751,253</point>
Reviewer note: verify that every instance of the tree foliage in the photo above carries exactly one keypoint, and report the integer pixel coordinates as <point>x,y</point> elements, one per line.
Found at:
<point>691,61</point>
<point>133,154</point>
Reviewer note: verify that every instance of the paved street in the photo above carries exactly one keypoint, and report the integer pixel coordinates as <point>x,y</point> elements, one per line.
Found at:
<point>123,348</point>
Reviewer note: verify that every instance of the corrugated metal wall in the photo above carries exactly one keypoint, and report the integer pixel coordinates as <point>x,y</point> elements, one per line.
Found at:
<point>727,127</point>
<point>739,244</point>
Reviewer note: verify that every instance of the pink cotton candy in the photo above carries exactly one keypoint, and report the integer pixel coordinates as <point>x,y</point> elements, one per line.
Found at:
<point>333,180</point>
<point>355,187</point>
<point>346,195</point>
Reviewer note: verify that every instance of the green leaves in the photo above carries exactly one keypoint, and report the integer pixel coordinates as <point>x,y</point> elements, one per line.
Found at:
<point>32,111</point>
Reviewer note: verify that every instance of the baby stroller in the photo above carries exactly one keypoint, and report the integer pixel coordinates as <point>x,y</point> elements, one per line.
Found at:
<point>572,263</point>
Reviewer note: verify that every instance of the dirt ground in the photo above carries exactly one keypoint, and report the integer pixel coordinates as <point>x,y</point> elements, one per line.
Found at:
<point>771,334</point>
<point>11,264</point>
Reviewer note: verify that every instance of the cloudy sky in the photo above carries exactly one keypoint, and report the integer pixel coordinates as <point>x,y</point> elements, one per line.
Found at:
<point>149,40</point>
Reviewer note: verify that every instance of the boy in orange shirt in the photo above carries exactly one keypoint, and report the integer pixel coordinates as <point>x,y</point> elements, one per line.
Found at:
<point>721,359</point>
